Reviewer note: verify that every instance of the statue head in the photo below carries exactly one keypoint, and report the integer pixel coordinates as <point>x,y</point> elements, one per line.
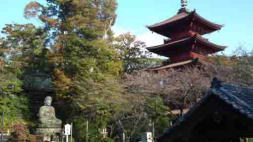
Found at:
<point>48,101</point>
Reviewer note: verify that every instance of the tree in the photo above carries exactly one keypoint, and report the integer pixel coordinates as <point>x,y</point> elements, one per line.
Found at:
<point>85,67</point>
<point>132,52</point>
<point>179,89</point>
<point>25,47</point>
<point>237,68</point>
<point>13,101</point>
<point>141,114</point>
<point>183,88</point>
<point>20,51</point>
<point>244,67</point>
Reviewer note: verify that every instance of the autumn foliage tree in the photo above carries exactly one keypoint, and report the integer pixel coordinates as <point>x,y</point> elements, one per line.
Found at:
<point>179,89</point>
<point>85,67</point>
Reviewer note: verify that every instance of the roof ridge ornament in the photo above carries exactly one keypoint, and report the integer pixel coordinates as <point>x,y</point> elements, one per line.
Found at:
<point>216,83</point>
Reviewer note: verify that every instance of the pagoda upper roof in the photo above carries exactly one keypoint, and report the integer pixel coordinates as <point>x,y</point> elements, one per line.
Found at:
<point>184,17</point>
<point>181,44</point>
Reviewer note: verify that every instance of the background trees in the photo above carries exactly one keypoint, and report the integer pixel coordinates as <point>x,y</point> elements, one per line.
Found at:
<point>133,53</point>
<point>183,88</point>
<point>130,51</point>
<point>95,76</point>
<point>179,89</point>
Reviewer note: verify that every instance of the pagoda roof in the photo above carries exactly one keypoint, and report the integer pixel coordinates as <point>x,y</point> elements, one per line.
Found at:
<point>174,65</point>
<point>196,39</point>
<point>179,64</point>
<point>183,17</point>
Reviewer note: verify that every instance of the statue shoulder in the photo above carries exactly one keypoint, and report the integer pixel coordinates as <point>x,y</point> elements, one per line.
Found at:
<point>46,108</point>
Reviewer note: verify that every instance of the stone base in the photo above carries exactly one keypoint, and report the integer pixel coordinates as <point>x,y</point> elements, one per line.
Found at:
<point>50,134</point>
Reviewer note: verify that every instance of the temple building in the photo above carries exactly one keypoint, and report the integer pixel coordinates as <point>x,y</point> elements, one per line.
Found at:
<point>185,45</point>
<point>224,114</point>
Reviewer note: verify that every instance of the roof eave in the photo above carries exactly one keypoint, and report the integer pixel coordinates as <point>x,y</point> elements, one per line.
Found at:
<point>209,23</point>
<point>164,23</point>
<point>174,42</point>
<point>216,90</point>
<point>207,43</point>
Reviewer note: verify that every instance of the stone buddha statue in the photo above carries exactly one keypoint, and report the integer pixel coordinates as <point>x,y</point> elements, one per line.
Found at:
<point>49,126</point>
<point>47,116</point>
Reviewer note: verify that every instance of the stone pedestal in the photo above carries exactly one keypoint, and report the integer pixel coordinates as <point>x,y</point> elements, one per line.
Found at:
<point>49,134</point>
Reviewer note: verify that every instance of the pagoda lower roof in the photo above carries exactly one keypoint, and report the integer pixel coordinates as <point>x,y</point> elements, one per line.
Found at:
<point>187,63</point>
<point>173,65</point>
<point>182,44</point>
<point>183,18</point>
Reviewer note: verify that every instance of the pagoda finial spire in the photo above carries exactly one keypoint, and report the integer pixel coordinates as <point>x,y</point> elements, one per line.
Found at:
<point>184,8</point>
<point>184,4</point>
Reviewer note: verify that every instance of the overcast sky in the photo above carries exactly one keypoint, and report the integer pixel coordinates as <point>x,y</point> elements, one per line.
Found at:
<point>134,15</point>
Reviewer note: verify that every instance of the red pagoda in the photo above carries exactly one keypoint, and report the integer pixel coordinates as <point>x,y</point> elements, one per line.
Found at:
<point>185,45</point>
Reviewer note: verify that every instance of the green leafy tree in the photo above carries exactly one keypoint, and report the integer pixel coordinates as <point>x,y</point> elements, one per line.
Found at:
<point>20,51</point>
<point>143,114</point>
<point>158,113</point>
<point>13,102</point>
<point>132,52</point>
<point>25,47</point>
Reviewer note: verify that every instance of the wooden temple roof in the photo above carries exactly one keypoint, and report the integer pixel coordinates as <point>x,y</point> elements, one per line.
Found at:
<point>183,18</point>
<point>165,49</point>
<point>182,64</point>
<point>222,98</point>
<point>174,65</point>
